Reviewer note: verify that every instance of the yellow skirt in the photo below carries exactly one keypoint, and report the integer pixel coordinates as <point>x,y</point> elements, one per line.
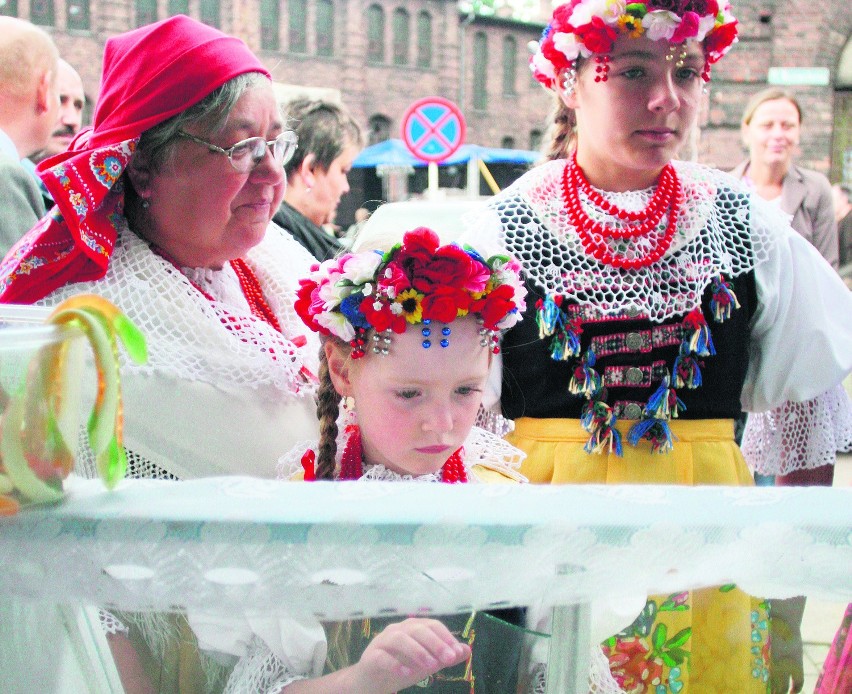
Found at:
<point>704,453</point>
<point>709,641</point>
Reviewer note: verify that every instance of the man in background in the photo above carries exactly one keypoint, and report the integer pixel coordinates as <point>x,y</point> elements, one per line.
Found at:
<point>29,104</point>
<point>72,99</point>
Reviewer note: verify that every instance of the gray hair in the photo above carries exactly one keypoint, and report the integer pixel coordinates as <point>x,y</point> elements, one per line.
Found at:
<point>158,143</point>
<point>324,129</point>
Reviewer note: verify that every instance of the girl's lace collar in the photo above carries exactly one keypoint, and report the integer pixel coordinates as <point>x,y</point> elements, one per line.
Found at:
<point>383,474</point>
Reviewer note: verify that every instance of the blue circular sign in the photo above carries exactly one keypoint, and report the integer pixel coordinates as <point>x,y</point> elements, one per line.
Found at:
<point>433,128</point>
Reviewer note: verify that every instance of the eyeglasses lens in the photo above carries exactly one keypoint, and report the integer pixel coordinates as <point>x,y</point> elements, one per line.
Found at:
<point>284,148</point>
<point>251,152</point>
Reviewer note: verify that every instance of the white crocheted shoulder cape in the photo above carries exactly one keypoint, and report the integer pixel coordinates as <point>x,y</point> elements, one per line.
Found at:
<point>719,230</point>
<point>211,399</point>
<point>186,332</point>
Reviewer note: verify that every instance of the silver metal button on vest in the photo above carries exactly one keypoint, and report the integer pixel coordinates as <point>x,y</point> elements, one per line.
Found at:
<point>632,311</point>
<point>633,411</point>
<point>633,341</point>
<point>634,375</point>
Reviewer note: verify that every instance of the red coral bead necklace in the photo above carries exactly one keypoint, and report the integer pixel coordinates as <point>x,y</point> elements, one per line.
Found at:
<point>666,199</point>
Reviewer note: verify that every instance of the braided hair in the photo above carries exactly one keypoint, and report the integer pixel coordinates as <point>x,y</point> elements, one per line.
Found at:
<point>562,130</point>
<point>328,409</point>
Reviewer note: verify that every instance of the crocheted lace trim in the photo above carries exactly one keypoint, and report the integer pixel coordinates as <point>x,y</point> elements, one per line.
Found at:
<point>111,624</point>
<point>480,447</point>
<point>799,435</point>
<point>260,671</point>
<point>186,332</point>
<point>721,228</point>
<point>601,680</point>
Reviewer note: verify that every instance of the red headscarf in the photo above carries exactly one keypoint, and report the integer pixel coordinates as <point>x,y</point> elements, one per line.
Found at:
<point>150,74</point>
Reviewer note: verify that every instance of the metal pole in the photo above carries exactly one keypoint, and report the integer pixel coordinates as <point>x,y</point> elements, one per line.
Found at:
<point>432,175</point>
<point>568,660</point>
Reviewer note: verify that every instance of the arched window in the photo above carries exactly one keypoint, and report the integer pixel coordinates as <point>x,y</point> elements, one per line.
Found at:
<point>379,129</point>
<point>41,11</point>
<point>146,12</point>
<point>508,142</point>
<point>424,39</point>
<point>535,139</point>
<point>9,8</point>
<point>178,7</point>
<point>270,20</point>
<point>325,27</point>
<point>400,36</point>
<point>210,13</point>
<point>297,19</point>
<point>510,61</point>
<point>78,14</point>
<point>480,70</point>
<point>375,34</point>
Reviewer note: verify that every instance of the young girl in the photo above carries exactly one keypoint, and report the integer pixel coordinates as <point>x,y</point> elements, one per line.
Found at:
<point>664,299</point>
<point>408,341</point>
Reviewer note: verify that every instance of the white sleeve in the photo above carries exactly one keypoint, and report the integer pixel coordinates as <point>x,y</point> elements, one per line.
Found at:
<point>270,649</point>
<point>482,233</point>
<point>801,332</point>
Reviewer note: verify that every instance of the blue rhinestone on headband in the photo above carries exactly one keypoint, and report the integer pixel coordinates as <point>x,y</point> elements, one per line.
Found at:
<point>427,333</point>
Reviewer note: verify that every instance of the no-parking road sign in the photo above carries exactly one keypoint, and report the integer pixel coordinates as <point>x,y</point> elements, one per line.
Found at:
<point>433,128</point>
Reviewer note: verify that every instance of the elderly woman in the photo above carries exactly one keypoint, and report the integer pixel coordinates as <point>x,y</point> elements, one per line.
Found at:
<point>329,141</point>
<point>164,208</point>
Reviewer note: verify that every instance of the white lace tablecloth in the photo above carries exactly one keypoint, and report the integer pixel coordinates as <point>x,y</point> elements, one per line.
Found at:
<point>350,549</point>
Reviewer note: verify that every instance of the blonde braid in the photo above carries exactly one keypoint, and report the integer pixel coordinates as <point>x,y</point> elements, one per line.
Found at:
<point>561,131</point>
<point>328,408</point>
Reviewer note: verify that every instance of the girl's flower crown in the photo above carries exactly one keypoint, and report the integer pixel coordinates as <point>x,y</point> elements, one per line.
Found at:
<point>581,28</point>
<point>416,281</point>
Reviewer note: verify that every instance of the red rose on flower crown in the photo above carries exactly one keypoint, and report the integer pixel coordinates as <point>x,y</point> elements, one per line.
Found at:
<point>583,28</point>
<point>416,281</point>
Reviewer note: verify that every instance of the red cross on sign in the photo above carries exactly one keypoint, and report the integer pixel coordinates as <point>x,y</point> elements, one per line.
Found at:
<point>433,128</point>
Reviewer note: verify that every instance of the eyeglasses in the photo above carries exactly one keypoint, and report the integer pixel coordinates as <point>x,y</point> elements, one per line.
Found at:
<point>247,154</point>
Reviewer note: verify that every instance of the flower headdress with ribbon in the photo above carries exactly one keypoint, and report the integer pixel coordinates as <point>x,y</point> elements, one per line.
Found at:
<point>416,282</point>
<point>583,28</point>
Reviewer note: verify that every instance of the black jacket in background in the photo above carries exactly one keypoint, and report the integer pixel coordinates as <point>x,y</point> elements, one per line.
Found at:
<point>318,243</point>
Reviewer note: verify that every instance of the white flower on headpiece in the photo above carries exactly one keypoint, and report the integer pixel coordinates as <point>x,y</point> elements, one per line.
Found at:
<point>660,24</point>
<point>332,292</point>
<point>608,10</point>
<point>542,65</point>
<point>361,267</point>
<point>509,320</point>
<point>337,324</point>
<point>568,45</point>
<point>705,24</point>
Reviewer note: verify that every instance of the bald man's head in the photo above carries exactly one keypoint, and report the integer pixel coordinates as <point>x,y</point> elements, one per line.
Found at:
<point>25,51</point>
<point>28,100</point>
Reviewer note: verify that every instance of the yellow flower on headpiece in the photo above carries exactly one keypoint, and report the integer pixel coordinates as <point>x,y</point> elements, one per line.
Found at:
<point>631,26</point>
<point>410,306</point>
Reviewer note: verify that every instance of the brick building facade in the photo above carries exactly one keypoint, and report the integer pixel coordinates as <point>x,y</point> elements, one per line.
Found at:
<point>380,55</point>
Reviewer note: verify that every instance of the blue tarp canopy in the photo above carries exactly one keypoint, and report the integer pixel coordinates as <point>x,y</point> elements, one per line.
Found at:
<point>394,153</point>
